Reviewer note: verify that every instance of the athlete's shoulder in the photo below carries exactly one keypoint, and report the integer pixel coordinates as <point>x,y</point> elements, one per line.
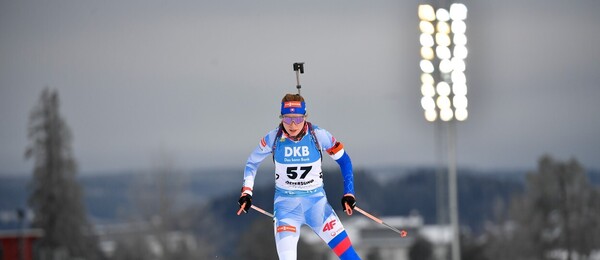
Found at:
<point>315,127</point>
<point>324,137</point>
<point>319,130</point>
<point>273,132</point>
<point>267,140</point>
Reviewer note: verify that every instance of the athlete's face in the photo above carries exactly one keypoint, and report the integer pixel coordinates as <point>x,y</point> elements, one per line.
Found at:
<point>293,123</point>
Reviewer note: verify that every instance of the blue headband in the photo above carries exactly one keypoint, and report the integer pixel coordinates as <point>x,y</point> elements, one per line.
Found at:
<point>293,107</point>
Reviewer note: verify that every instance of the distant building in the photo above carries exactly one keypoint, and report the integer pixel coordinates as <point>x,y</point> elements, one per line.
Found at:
<point>110,236</point>
<point>18,244</point>
<point>373,239</point>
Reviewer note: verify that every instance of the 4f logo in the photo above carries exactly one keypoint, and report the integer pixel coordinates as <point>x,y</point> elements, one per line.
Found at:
<point>329,226</point>
<point>296,151</point>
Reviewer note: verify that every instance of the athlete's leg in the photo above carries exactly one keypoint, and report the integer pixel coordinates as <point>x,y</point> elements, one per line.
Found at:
<point>288,219</point>
<point>325,223</point>
<point>342,246</point>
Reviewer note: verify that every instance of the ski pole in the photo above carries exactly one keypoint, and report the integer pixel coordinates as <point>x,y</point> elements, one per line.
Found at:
<point>266,213</point>
<point>299,69</point>
<point>402,233</point>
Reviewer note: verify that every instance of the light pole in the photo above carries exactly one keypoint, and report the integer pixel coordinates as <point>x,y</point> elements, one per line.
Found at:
<point>444,85</point>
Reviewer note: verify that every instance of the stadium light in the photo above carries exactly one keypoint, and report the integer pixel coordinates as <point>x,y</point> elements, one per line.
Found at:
<point>443,53</point>
<point>444,85</point>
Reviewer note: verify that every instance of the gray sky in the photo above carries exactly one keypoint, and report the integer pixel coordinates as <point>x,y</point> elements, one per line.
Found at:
<point>203,79</point>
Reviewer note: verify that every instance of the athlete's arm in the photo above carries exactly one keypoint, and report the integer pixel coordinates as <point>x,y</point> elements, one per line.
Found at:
<point>336,151</point>
<point>255,159</point>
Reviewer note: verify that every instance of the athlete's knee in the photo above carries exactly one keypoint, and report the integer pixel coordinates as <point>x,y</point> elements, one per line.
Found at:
<point>286,240</point>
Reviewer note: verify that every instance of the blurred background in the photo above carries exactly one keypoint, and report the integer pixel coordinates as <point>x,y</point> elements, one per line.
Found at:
<point>164,101</point>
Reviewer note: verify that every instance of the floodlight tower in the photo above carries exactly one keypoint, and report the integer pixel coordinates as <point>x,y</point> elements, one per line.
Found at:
<point>444,85</point>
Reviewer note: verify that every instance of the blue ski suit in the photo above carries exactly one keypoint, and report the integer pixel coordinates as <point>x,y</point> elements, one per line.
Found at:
<point>299,194</point>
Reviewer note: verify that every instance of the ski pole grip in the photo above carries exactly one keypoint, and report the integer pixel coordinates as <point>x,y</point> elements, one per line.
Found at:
<point>241,208</point>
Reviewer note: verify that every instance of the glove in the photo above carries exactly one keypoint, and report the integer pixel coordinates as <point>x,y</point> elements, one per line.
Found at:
<point>349,200</point>
<point>247,199</point>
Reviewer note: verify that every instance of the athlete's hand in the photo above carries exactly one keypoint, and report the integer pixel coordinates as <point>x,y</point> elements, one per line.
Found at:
<point>245,202</point>
<point>348,203</point>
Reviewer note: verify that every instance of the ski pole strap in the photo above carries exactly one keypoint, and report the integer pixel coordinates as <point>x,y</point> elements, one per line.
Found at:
<point>241,208</point>
<point>348,209</point>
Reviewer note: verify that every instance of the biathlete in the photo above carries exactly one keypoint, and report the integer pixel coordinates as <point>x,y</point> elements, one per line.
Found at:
<point>296,146</point>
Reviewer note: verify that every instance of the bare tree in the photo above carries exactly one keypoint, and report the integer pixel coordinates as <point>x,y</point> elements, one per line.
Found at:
<point>558,212</point>
<point>156,199</point>
<point>56,196</point>
<point>155,194</point>
<point>422,249</point>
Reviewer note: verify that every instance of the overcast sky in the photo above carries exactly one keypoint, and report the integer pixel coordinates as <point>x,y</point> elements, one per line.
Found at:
<point>203,80</point>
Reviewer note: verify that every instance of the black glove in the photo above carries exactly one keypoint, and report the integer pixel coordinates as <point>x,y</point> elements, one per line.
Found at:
<point>247,199</point>
<point>349,200</point>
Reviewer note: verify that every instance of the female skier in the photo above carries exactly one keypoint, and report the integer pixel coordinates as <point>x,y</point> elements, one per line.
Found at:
<point>300,199</point>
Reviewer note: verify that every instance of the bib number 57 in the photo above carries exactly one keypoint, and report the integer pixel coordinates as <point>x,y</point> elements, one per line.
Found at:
<point>292,172</point>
